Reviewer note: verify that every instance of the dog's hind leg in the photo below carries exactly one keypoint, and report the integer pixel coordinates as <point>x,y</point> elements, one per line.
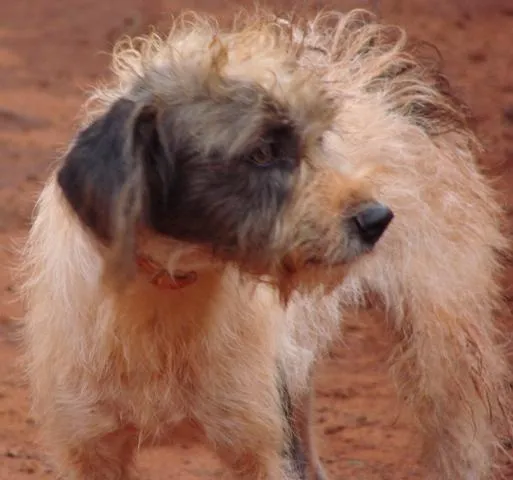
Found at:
<point>305,455</point>
<point>301,451</point>
<point>295,451</point>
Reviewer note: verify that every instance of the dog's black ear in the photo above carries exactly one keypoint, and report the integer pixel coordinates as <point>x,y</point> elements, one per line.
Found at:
<point>102,176</point>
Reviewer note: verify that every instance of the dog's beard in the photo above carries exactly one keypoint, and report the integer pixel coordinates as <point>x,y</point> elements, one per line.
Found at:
<point>308,279</point>
<point>289,276</point>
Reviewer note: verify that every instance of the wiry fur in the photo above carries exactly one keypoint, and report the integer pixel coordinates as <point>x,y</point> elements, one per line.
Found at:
<point>110,366</point>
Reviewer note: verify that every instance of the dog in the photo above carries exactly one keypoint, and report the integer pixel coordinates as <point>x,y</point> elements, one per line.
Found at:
<point>231,195</point>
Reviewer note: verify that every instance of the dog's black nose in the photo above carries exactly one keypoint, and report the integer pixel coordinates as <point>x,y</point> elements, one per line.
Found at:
<point>373,221</point>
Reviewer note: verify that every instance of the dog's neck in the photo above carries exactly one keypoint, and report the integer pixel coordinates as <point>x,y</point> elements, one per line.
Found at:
<point>161,277</point>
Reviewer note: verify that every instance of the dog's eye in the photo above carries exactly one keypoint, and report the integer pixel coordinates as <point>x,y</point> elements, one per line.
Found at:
<point>261,161</point>
<point>278,148</point>
<point>264,156</point>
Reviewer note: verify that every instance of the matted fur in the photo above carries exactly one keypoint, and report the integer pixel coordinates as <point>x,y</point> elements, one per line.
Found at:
<point>122,366</point>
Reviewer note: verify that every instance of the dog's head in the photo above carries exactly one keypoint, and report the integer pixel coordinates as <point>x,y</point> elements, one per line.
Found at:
<point>226,162</point>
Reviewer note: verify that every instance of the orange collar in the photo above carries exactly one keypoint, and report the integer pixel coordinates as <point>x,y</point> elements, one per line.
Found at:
<point>160,277</point>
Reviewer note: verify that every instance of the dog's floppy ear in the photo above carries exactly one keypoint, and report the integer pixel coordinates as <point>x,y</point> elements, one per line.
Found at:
<point>103,174</point>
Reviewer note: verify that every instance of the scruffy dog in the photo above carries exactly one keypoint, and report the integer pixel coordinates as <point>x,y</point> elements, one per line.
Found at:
<point>232,194</point>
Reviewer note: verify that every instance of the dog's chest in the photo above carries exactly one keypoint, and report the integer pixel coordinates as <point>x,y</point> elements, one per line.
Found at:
<point>175,366</point>
<point>164,383</point>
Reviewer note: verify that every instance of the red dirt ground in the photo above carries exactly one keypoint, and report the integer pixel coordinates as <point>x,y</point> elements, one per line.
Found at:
<point>51,51</point>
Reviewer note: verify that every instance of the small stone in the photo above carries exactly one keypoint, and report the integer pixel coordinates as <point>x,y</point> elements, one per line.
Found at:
<point>507,113</point>
<point>477,57</point>
<point>10,453</point>
<point>507,11</point>
<point>334,430</point>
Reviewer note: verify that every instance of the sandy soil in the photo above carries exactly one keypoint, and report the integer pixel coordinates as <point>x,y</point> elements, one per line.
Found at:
<point>51,51</point>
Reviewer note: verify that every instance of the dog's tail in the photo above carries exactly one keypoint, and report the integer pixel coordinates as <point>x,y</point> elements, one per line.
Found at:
<point>438,272</point>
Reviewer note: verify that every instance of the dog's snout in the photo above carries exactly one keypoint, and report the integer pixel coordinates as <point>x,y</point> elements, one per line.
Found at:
<point>372,221</point>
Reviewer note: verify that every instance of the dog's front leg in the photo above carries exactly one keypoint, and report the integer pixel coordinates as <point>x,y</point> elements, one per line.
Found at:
<point>249,424</point>
<point>85,448</point>
<point>251,448</point>
<point>261,440</point>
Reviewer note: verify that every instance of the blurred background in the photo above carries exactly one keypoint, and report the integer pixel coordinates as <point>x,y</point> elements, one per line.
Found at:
<point>53,51</point>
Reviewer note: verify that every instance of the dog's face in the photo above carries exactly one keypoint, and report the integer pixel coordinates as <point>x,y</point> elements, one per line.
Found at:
<point>227,165</point>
